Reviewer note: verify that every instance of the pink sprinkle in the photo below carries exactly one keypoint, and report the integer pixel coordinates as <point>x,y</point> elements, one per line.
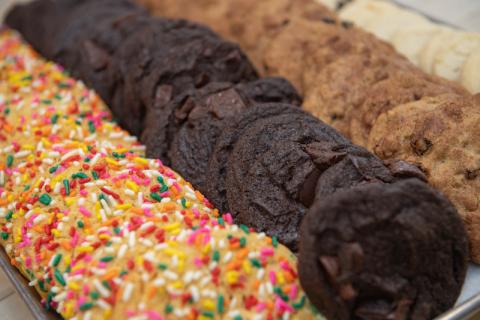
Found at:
<point>88,258</point>
<point>70,294</point>
<point>79,272</point>
<point>165,194</point>
<point>153,315</point>
<point>74,240</point>
<point>120,177</point>
<point>198,262</point>
<point>84,192</point>
<point>28,262</point>
<point>273,277</point>
<point>267,252</point>
<point>293,292</point>
<point>260,307</point>
<point>85,212</point>
<point>228,218</point>
<point>102,265</point>
<point>282,305</point>
<point>196,213</point>
<point>85,289</point>
<point>177,186</point>
<point>38,258</point>
<point>81,300</point>
<point>147,212</point>
<point>130,313</point>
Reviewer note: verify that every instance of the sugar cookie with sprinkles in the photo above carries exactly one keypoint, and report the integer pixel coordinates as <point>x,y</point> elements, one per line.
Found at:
<point>102,232</point>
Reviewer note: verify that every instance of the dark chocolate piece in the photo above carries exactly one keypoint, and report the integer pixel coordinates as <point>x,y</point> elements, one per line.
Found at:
<point>383,251</point>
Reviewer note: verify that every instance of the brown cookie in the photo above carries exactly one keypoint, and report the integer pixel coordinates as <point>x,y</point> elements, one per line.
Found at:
<point>383,251</point>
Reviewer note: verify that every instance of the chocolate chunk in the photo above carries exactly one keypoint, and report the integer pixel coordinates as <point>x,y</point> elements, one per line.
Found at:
<point>383,251</point>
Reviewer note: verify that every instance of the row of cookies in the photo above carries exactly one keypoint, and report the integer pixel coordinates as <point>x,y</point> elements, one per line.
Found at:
<point>360,85</point>
<point>435,48</point>
<point>102,232</point>
<point>265,160</point>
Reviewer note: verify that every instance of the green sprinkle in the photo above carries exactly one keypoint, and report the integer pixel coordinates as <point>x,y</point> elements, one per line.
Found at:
<point>91,127</point>
<point>9,215</point>
<point>244,228</point>
<point>164,188</point>
<point>59,277</point>
<point>63,85</point>
<point>102,196</point>
<point>256,263</point>
<point>86,306</point>
<point>7,111</point>
<point>237,317</point>
<point>221,221</point>
<point>216,255</point>
<point>243,242</point>
<point>4,235</point>
<point>208,314</point>
<point>280,293</point>
<point>9,160</point>
<point>79,175</point>
<point>66,184</point>
<point>118,155</point>
<point>57,96</point>
<point>53,169</point>
<point>41,284</point>
<point>94,295</point>
<point>95,175</point>
<point>220,306</point>
<point>155,196</point>
<point>57,259</point>
<point>80,224</point>
<point>300,303</point>
<point>49,299</point>
<point>117,230</point>
<point>124,272</point>
<point>46,101</point>
<point>26,188</point>
<point>106,284</point>
<point>68,269</point>
<point>162,266</point>
<point>27,78</point>
<point>45,199</point>
<point>274,241</point>
<point>106,259</point>
<point>54,118</point>
<point>168,308</point>
<point>184,202</point>
<point>160,180</point>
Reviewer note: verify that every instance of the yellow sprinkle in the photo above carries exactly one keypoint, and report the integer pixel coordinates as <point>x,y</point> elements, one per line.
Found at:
<point>208,304</point>
<point>112,162</point>
<point>207,248</point>
<point>28,147</point>
<point>68,313</point>
<point>232,277</point>
<point>172,252</point>
<point>172,226</point>
<point>67,260</point>
<point>121,150</point>
<point>246,266</point>
<point>125,206</point>
<point>85,249</point>
<point>104,236</point>
<point>280,278</point>
<point>177,284</point>
<point>140,160</point>
<point>132,186</point>
<point>181,265</point>
<point>107,314</point>
<point>74,286</point>
<point>56,233</point>
<point>46,143</point>
<point>69,201</point>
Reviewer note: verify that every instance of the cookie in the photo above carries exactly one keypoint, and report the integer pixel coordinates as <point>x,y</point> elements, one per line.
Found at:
<point>436,133</point>
<point>374,252</point>
<point>453,53</point>
<point>201,117</point>
<point>273,155</point>
<point>217,166</point>
<point>431,48</point>
<point>469,77</point>
<point>182,57</point>
<point>410,40</point>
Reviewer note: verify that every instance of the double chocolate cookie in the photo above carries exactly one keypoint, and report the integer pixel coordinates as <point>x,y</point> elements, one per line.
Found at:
<point>383,251</point>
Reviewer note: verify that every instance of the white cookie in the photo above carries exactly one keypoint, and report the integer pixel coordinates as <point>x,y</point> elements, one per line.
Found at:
<point>453,53</point>
<point>431,48</point>
<point>331,4</point>
<point>410,40</point>
<point>470,75</point>
<point>393,19</point>
<point>363,12</point>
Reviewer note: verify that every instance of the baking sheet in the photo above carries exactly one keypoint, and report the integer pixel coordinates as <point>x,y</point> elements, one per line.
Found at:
<point>32,299</point>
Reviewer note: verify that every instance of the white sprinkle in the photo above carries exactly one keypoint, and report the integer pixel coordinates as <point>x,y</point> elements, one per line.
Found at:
<point>22,154</point>
<point>146,225</point>
<point>69,154</point>
<point>103,291</point>
<point>195,293</point>
<point>131,240</point>
<point>149,255</point>
<point>102,304</point>
<point>129,192</point>
<point>60,297</point>
<point>140,198</point>
<point>127,292</point>
<point>159,282</point>
<point>122,250</point>
<point>228,256</point>
<point>105,206</point>
<point>57,188</point>
<point>38,219</point>
<point>95,159</point>
<point>170,275</point>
